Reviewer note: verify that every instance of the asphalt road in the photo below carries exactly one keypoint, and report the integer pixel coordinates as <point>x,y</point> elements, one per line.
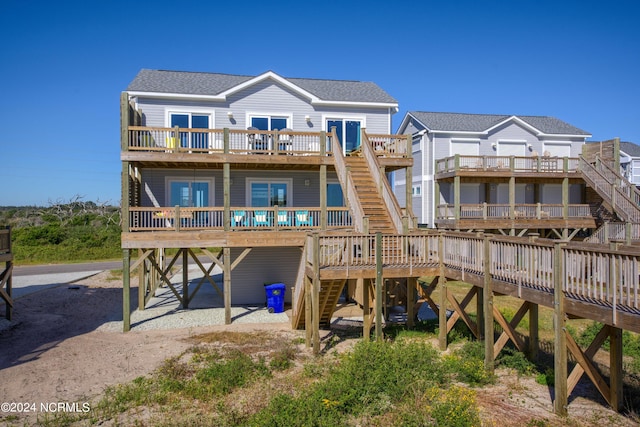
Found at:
<point>32,270</point>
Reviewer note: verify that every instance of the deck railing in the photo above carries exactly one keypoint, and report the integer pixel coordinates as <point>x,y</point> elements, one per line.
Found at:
<point>356,250</point>
<point>620,231</point>
<point>507,164</point>
<point>607,277</point>
<point>189,140</point>
<point>241,218</point>
<point>239,141</point>
<point>521,211</point>
<point>593,273</point>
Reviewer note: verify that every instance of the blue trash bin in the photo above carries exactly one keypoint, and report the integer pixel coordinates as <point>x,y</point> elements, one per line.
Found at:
<point>275,297</point>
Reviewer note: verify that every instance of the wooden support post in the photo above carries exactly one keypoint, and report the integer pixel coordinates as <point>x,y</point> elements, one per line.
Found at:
<point>379,284</point>
<point>185,278</point>
<point>323,197</point>
<point>126,290</point>
<point>143,278</point>
<point>366,309</point>
<point>226,284</point>
<point>442,309</point>
<point>487,306</point>
<point>534,340</point>
<point>616,372</point>
<point>315,295</point>
<point>411,300</point>
<point>307,311</point>
<point>480,312</point>
<point>456,197</point>
<point>226,188</point>
<point>560,342</point>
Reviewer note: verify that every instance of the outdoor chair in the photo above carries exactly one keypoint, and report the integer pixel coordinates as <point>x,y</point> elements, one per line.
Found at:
<point>303,219</point>
<point>239,219</point>
<point>261,219</point>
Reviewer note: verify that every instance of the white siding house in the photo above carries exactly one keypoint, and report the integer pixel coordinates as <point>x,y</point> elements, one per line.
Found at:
<point>441,135</point>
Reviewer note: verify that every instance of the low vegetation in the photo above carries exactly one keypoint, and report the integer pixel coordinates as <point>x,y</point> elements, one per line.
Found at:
<point>72,231</point>
<point>264,380</point>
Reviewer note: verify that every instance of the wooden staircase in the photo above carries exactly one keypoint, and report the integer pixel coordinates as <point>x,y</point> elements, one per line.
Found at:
<point>372,204</point>
<point>330,291</point>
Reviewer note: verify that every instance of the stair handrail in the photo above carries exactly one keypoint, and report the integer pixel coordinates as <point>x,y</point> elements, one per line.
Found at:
<point>386,193</point>
<point>297,299</point>
<point>613,194</point>
<point>625,185</point>
<point>346,182</point>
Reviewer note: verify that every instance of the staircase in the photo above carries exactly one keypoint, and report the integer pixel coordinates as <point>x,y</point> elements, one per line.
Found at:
<point>330,291</point>
<point>370,199</point>
<point>616,191</point>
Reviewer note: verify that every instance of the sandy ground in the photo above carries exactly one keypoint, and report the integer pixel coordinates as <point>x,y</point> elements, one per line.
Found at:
<point>58,349</point>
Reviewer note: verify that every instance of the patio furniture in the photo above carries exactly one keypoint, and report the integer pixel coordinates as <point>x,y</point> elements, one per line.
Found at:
<point>239,219</point>
<point>303,219</point>
<point>261,219</point>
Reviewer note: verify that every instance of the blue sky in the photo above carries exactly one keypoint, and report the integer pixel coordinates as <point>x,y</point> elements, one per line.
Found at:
<point>65,64</point>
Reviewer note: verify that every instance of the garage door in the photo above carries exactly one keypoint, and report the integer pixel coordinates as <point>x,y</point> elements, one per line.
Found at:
<point>512,149</point>
<point>465,148</point>
<point>559,150</point>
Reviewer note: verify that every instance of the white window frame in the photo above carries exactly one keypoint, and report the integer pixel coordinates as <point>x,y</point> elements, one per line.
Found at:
<point>190,179</point>
<point>190,111</point>
<point>416,190</point>
<point>253,114</point>
<point>263,180</point>
<point>344,118</point>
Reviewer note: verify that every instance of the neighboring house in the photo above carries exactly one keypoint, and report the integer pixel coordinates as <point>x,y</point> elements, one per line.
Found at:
<point>252,164</point>
<point>630,161</point>
<point>484,171</point>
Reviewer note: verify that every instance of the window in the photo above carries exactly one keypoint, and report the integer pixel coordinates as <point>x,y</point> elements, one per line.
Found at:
<point>416,190</point>
<point>266,193</point>
<point>348,132</point>
<point>335,197</point>
<point>189,193</point>
<point>269,122</point>
<point>191,121</point>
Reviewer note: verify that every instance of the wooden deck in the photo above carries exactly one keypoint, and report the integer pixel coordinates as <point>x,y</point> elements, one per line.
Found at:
<point>589,281</point>
<point>599,282</point>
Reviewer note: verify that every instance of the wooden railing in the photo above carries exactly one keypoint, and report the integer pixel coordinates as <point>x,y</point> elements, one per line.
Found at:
<point>521,211</point>
<point>595,274</point>
<point>386,193</point>
<point>607,185</point>
<point>241,218</point>
<point>615,231</point>
<point>507,163</point>
<point>5,240</point>
<point>236,141</point>
<point>389,145</point>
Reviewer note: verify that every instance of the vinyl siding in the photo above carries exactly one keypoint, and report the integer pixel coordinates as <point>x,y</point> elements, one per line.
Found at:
<point>265,97</point>
<point>154,180</point>
<point>263,265</point>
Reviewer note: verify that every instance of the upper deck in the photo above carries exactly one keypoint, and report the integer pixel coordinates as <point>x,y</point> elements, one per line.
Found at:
<point>249,149</point>
<point>487,167</point>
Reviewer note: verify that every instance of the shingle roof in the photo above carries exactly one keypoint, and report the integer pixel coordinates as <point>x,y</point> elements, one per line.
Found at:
<point>630,148</point>
<point>462,122</point>
<point>195,83</point>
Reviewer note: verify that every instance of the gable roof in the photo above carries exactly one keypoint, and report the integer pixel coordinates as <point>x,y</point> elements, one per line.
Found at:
<point>218,86</point>
<point>630,149</point>
<point>483,123</point>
